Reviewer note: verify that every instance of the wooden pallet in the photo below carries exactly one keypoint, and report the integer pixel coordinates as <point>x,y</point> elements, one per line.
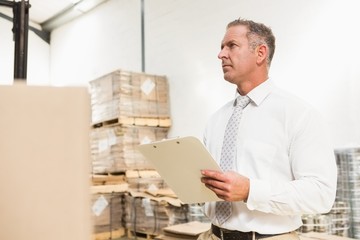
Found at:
<point>108,179</point>
<point>109,235</point>
<point>117,188</point>
<point>137,121</point>
<point>139,235</point>
<point>143,173</point>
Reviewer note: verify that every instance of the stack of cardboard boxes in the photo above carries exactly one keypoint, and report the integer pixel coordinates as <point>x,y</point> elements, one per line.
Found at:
<point>129,109</point>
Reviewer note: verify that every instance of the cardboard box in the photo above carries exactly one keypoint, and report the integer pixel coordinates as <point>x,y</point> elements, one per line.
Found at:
<point>44,163</point>
<point>129,94</point>
<point>113,148</point>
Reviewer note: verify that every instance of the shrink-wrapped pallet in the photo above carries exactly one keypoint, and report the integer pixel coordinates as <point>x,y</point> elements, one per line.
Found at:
<point>123,95</point>
<point>144,180</point>
<point>150,215</point>
<point>107,211</point>
<point>348,182</point>
<point>113,148</point>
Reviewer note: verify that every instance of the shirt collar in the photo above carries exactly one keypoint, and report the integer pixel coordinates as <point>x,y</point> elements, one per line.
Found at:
<point>258,94</point>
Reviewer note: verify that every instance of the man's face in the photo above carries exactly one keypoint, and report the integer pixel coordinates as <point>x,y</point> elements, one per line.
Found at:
<point>238,60</point>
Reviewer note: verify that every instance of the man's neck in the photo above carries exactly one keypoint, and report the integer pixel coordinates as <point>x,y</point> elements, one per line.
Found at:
<point>246,86</point>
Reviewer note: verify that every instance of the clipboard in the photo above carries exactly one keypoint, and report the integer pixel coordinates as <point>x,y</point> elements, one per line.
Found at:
<point>179,162</point>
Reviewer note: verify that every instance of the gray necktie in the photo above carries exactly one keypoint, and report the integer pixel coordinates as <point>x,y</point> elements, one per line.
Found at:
<point>223,209</point>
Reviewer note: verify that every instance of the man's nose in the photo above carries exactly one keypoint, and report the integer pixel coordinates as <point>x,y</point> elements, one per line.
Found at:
<point>222,54</point>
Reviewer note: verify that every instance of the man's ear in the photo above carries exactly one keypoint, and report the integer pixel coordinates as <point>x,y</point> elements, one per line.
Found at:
<point>262,52</point>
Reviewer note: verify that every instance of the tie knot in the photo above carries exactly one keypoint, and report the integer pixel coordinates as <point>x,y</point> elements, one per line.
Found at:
<point>242,101</point>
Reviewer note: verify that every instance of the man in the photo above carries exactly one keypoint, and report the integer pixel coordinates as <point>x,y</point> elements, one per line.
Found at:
<point>281,162</point>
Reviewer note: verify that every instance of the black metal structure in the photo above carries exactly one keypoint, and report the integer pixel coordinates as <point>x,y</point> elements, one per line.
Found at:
<point>20,32</point>
<point>142,36</point>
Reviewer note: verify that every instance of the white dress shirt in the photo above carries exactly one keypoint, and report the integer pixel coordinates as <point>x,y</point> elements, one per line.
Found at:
<point>283,147</point>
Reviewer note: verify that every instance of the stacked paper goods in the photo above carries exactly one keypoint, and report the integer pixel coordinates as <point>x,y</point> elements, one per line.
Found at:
<point>336,222</point>
<point>196,213</point>
<point>186,231</point>
<point>113,147</point>
<point>321,236</point>
<point>147,214</point>
<point>129,109</point>
<point>123,95</point>
<point>159,206</point>
<point>340,219</point>
<point>107,214</point>
<point>107,211</point>
<point>348,190</point>
<point>145,180</point>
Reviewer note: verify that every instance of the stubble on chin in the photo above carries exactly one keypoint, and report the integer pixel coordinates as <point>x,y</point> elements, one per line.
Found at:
<point>227,77</point>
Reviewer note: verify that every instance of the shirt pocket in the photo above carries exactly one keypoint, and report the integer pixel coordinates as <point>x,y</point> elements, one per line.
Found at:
<point>256,159</point>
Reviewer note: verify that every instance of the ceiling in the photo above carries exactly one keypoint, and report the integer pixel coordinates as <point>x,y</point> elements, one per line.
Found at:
<point>49,14</point>
<point>42,10</point>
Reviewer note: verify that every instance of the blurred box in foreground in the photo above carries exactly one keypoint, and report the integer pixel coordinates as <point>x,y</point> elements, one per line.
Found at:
<point>44,162</point>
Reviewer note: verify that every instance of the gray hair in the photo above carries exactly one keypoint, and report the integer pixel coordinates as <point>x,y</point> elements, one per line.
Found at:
<point>257,34</point>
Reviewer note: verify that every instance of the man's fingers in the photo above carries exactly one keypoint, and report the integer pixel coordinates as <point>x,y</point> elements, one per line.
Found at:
<point>219,176</point>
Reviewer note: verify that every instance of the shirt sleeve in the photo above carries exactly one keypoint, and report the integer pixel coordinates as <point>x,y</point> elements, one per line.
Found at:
<point>313,165</point>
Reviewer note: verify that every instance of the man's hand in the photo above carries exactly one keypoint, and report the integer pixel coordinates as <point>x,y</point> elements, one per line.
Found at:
<point>229,186</point>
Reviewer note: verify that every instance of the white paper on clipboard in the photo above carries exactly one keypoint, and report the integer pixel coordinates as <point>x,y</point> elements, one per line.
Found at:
<point>179,162</point>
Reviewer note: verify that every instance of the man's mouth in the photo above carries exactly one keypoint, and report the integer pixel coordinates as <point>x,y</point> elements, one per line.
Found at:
<point>226,65</point>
